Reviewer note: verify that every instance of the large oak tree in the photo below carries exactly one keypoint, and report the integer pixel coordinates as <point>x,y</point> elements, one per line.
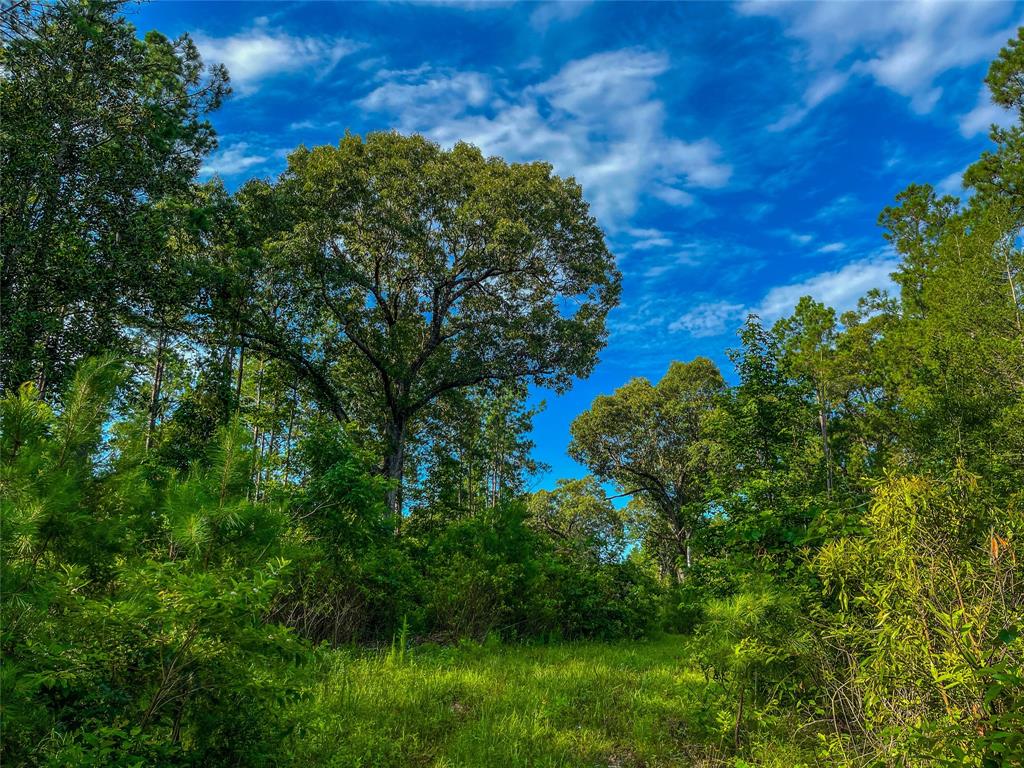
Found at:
<point>412,270</point>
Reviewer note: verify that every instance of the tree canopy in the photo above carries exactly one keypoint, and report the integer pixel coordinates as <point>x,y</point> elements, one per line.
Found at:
<point>416,271</point>
<point>101,131</point>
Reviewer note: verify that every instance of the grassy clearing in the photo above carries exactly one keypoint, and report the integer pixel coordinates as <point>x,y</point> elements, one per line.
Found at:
<point>590,704</point>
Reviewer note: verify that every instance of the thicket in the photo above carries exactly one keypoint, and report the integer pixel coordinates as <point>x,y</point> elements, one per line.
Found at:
<point>240,428</point>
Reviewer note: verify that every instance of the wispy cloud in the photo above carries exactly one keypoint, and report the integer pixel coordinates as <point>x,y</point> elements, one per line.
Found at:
<point>712,318</point>
<point>905,46</point>
<point>832,248</point>
<point>262,52</point>
<point>821,88</point>
<point>546,14</point>
<point>598,118</point>
<point>839,289</point>
<point>417,95</point>
<point>953,184</point>
<point>838,208</point>
<point>796,238</point>
<point>233,159</point>
<point>645,239</point>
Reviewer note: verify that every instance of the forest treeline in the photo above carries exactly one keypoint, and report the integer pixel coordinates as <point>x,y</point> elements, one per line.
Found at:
<point>241,427</point>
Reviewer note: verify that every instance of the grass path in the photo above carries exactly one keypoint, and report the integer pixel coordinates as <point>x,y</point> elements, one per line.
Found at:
<point>621,705</point>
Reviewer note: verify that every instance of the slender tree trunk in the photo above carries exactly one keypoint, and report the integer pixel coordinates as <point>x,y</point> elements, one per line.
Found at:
<point>739,719</point>
<point>227,367</point>
<point>260,456</point>
<point>681,535</point>
<point>1013,290</point>
<point>238,384</point>
<point>827,451</point>
<point>288,439</point>
<point>154,400</point>
<point>259,398</point>
<point>51,349</point>
<point>258,435</point>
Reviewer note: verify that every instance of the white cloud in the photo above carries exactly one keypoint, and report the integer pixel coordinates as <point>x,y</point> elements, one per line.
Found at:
<point>953,184</point>
<point>232,159</point>
<point>984,115</point>
<point>839,289</point>
<point>418,101</point>
<point>546,14</point>
<point>465,5</point>
<point>904,46</point>
<point>838,208</point>
<point>598,119</point>
<point>712,318</point>
<point>796,238</point>
<point>260,53</point>
<point>645,239</point>
<point>657,270</point>
<point>820,89</point>
<point>677,198</point>
<point>832,248</point>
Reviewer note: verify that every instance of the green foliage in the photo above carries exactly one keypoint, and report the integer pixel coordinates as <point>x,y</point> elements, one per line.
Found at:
<point>656,442</point>
<point>838,534</point>
<point>928,602</point>
<point>580,519</point>
<point>352,581</point>
<point>133,627</point>
<point>473,452</point>
<point>753,643</point>
<point>99,127</point>
<point>413,271</point>
<point>684,605</point>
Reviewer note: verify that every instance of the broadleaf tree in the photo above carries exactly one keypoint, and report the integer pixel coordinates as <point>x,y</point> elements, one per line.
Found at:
<point>658,444</point>
<point>422,270</point>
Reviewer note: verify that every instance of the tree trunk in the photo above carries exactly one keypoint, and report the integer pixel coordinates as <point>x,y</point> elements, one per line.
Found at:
<point>238,384</point>
<point>259,400</point>
<point>51,348</point>
<point>288,439</point>
<point>154,400</point>
<point>823,424</point>
<point>1013,290</point>
<point>394,464</point>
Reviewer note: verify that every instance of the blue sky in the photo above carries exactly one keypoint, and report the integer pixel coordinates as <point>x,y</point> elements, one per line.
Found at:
<point>736,155</point>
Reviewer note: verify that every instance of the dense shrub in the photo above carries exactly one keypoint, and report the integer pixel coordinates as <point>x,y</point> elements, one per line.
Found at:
<point>354,580</point>
<point>927,613</point>
<point>133,608</point>
<point>683,605</point>
<point>755,644</point>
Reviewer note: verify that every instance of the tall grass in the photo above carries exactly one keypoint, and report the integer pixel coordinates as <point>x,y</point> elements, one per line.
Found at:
<point>615,705</point>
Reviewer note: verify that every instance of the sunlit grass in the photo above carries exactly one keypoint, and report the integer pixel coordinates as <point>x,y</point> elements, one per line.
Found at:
<point>589,704</point>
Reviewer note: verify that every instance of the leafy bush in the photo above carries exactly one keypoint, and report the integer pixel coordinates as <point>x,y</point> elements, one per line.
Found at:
<point>684,605</point>
<point>928,611</point>
<point>353,581</point>
<point>754,644</point>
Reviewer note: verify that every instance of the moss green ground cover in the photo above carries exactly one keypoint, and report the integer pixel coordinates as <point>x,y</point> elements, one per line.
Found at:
<point>590,704</point>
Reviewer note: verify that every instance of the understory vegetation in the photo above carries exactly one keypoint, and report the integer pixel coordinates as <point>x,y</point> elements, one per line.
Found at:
<point>265,460</point>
